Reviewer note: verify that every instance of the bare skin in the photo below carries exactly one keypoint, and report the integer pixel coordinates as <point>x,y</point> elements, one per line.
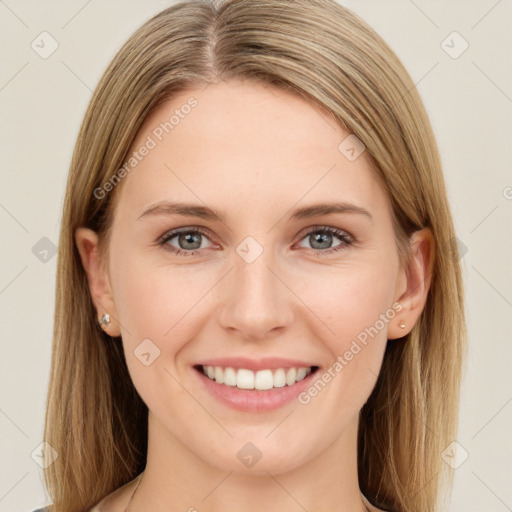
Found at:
<point>255,154</point>
<point>119,500</point>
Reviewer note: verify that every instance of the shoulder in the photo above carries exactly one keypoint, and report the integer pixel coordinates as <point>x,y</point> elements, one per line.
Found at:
<point>114,502</point>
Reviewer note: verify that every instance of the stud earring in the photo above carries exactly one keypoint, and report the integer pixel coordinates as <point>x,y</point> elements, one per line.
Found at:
<point>105,320</point>
<point>402,324</point>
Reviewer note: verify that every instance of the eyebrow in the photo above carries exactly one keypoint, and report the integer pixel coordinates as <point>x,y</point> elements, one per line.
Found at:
<point>318,210</point>
<point>183,209</point>
<point>204,212</point>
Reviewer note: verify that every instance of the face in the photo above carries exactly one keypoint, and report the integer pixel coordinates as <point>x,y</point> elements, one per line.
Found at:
<point>253,277</point>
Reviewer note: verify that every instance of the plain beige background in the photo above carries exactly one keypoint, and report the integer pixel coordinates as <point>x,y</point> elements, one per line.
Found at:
<point>468,95</point>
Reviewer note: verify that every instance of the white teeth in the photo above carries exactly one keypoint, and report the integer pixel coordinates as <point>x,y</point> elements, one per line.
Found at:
<point>245,379</point>
<point>291,376</point>
<point>260,380</point>
<point>279,378</point>
<point>219,375</point>
<point>301,373</point>
<point>264,380</point>
<point>229,376</point>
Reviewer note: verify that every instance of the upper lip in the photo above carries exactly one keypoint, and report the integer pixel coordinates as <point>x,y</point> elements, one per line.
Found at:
<point>271,363</point>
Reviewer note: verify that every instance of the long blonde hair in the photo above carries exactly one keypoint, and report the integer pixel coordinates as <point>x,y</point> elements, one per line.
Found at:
<point>95,419</point>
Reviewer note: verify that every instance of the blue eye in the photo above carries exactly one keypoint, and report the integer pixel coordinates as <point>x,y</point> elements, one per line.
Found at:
<point>323,236</point>
<point>190,240</point>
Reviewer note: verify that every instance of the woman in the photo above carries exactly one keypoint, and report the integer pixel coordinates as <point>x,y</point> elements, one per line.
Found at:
<point>304,352</point>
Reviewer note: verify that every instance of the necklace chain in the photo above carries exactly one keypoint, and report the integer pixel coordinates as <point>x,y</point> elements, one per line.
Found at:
<point>127,509</point>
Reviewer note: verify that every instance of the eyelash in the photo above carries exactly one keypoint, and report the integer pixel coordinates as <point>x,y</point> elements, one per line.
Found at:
<point>347,240</point>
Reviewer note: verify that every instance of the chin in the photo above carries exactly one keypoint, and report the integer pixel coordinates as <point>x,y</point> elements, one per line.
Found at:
<point>257,457</point>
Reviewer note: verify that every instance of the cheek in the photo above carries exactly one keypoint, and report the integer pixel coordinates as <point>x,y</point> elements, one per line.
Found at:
<point>334,303</point>
<point>155,306</point>
<point>348,299</point>
<point>354,304</point>
<point>154,301</point>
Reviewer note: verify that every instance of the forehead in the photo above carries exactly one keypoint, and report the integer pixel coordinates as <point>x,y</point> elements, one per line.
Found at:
<point>260,146</point>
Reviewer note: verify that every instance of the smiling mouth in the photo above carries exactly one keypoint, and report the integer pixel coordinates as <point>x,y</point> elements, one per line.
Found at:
<point>261,380</point>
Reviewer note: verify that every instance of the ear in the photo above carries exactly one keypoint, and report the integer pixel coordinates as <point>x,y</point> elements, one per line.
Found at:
<point>417,276</point>
<point>99,285</point>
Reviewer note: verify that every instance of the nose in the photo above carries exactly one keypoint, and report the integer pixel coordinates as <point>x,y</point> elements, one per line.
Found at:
<point>255,302</point>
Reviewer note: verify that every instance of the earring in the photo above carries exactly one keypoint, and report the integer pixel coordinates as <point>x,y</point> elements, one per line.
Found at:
<point>402,324</point>
<point>105,320</point>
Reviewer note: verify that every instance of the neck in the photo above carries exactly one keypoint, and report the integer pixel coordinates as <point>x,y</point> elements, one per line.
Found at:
<point>176,478</point>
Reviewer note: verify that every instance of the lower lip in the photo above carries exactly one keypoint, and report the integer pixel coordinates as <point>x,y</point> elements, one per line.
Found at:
<point>252,400</point>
